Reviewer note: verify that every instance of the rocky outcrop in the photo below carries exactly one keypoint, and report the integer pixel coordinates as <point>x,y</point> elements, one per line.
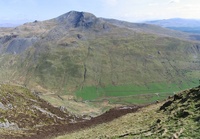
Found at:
<point>18,45</point>
<point>7,124</point>
<point>77,19</point>
<point>2,106</point>
<point>7,38</point>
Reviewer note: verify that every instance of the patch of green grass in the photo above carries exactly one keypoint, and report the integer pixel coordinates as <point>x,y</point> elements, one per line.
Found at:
<point>89,93</point>
<point>133,93</point>
<point>139,99</point>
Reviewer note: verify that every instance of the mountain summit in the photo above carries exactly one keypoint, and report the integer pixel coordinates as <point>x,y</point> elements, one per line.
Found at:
<point>77,19</point>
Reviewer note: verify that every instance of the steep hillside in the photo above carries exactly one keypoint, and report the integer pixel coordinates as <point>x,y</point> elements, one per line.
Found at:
<point>178,117</point>
<point>90,58</point>
<point>23,113</point>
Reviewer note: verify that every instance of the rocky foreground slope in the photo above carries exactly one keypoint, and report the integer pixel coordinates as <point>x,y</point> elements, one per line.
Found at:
<point>22,112</point>
<point>26,116</point>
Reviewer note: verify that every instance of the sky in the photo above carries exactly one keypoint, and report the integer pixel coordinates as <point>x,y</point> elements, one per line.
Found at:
<point>127,10</point>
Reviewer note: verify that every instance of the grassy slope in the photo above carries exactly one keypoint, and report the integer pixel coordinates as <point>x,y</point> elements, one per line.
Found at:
<point>180,119</point>
<point>102,63</point>
<point>129,123</point>
<point>107,67</point>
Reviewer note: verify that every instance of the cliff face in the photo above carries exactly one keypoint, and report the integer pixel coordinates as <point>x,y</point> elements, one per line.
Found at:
<point>19,45</point>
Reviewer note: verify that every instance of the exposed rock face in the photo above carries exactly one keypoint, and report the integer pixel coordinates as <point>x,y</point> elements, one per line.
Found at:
<point>7,38</point>
<point>2,106</point>
<point>6,124</point>
<point>163,107</point>
<point>18,45</point>
<point>77,19</point>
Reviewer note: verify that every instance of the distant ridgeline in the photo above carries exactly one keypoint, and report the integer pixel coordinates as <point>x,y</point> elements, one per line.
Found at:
<point>187,29</point>
<point>184,25</point>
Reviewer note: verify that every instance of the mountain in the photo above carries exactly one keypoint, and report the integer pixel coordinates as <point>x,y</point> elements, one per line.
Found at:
<point>177,117</point>
<point>179,24</point>
<point>58,75</point>
<point>90,59</point>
